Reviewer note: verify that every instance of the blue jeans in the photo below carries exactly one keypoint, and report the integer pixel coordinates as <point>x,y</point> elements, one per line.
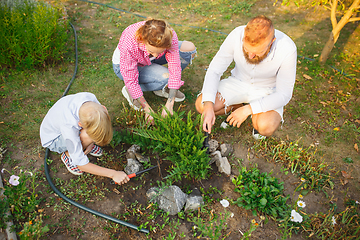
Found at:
<point>153,77</point>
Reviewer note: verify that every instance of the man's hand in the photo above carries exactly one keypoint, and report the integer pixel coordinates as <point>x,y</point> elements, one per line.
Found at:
<point>120,177</point>
<point>237,117</point>
<point>208,116</point>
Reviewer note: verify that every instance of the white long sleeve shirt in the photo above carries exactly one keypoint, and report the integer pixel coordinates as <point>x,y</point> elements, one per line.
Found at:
<point>63,119</point>
<point>277,70</point>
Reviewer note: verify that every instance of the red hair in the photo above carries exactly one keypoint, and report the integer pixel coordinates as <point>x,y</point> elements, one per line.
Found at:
<point>156,33</point>
<point>258,30</point>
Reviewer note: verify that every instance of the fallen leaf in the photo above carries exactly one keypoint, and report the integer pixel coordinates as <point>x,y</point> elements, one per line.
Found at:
<point>357,121</point>
<point>323,103</point>
<point>344,182</point>
<point>356,147</point>
<point>346,175</point>
<point>307,77</point>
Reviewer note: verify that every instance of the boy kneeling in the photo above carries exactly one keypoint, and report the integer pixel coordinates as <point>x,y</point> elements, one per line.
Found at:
<point>72,127</point>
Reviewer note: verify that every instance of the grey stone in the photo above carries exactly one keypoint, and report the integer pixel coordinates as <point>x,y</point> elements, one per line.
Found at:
<point>194,201</point>
<point>214,157</point>
<point>141,158</point>
<point>152,194</point>
<point>224,166</point>
<point>130,153</point>
<point>226,149</point>
<point>133,166</point>
<point>170,199</point>
<point>213,145</point>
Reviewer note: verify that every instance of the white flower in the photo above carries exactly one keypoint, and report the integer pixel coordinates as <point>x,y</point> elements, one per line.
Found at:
<point>2,170</point>
<point>14,180</point>
<point>225,203</point>
<point>301,204</point>
<point>232,215</point>
<point>296,217</point>
<point>333,220</point>
<point>357,202</point>
<point>224,125</point>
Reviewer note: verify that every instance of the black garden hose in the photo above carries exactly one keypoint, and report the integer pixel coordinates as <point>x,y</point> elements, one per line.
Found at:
<point>48,178</point>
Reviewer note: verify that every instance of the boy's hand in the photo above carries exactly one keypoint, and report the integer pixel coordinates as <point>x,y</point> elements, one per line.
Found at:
<point>120,177</point>
<point>89,148</point>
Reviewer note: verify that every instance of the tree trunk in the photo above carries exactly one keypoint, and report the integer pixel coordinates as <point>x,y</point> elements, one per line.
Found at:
<point>337,26</point>
<point>327,48</point>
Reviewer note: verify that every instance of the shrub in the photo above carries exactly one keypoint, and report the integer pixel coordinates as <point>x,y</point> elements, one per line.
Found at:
<point>32,33</point>
<point>261,192</point>
<point>180,140</point>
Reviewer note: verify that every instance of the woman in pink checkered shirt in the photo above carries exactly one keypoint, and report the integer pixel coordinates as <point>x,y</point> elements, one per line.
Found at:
<point>138,60</point>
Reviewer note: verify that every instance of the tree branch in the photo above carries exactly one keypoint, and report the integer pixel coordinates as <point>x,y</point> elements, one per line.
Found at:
<point>354,19</point>
<point>333,13</point>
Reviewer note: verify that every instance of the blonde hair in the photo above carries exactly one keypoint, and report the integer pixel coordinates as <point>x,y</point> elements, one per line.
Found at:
<point>258,30</point>
<point>96,121</point>
<point>156,33</point>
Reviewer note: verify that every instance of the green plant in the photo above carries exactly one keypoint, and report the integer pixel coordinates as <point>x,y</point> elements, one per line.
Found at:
<point>21,198</point>
<point>260,192</point>
<point>331,225</point>
<point>32,32</point>
<point>348,160</point>
<point>33,229</point>
<point>298,160</point>
<point>253,226</point>
<point>211,228</point>
<point>180,140</point>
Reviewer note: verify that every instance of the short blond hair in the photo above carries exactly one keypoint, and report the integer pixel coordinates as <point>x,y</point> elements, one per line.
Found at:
<point>156,33</point>
<point>258,30</point>
<point>96,121</point>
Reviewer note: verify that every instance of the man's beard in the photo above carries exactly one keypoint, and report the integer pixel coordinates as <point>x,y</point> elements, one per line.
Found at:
<point>256,59</point>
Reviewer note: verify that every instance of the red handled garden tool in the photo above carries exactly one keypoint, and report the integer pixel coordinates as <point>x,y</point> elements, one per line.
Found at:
<point>137,173</point>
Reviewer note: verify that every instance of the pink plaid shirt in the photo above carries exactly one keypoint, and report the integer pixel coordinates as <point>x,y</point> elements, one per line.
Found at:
<point>134,54</point>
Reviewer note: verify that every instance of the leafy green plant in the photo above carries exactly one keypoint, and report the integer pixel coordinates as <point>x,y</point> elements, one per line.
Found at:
<point>348,160</point>
<point>180,140</point>
<point>32,33</point>
<point>260,192</point>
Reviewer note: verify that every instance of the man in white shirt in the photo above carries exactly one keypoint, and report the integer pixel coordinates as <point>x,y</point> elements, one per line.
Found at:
<point>261,83</point>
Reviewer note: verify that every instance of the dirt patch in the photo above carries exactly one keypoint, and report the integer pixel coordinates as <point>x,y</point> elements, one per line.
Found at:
<point>129,203</point>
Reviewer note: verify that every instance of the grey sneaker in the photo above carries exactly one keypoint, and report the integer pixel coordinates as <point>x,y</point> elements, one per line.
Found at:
<point>133,103</point>
<point>165,93</point>
<point>257,135</point>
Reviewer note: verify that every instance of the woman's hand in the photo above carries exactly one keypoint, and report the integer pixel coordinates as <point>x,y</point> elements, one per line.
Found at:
<point>169,103</point>
<point>147,109</point>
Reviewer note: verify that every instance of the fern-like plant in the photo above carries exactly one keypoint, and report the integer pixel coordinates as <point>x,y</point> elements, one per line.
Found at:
<point>180,139</point>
